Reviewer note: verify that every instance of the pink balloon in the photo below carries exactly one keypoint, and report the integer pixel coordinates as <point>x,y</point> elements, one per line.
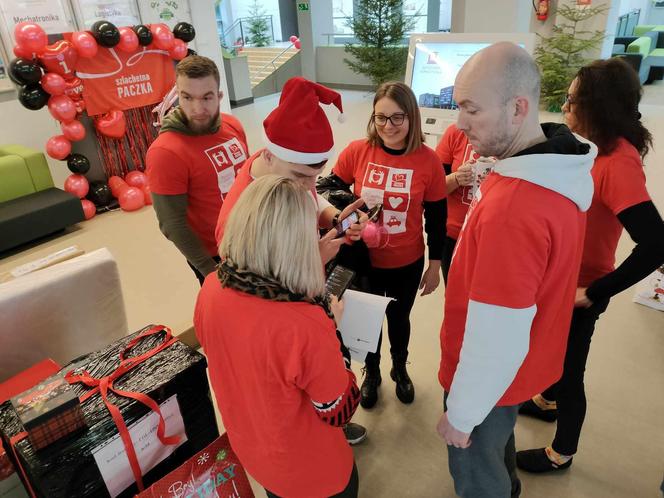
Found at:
<point>293,38</point>
<point>58,147</point>
<point>179,50</point>
<point>297,44</point>
<point>131,199</point>
<point>147,194</point>
<point>62,108</point>
<point>163,36</point>
<point>136,179</point>
<point>53,83</point>
<point>30,36</point>
<point>74,130</point>
<point>89,208</point>
<point>77,185</point>
<point>85,44</point>
<point>128,40</point>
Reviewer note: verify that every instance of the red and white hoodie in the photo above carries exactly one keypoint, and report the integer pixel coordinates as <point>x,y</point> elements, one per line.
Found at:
<point>513,277</point>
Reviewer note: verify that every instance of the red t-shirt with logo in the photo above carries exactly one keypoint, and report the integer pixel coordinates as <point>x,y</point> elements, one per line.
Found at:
<point>201,166</point>
<point>619,183</point>
<point>242,181</point>
<point>402,184</point>
<point>268,360</point>
<point>455,149</point>
<point>520,246</point>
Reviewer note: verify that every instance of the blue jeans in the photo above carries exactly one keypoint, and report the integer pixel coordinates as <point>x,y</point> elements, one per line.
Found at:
<point>487,468</point>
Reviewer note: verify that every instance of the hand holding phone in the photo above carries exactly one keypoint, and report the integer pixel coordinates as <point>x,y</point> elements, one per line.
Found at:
<point>346,223</point>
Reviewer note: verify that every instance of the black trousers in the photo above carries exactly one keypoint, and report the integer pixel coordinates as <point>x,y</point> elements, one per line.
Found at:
<point>350,491</point>
<point>448,250</point>
<point>401,284</point>
<point>569,392</point>
<point>199,275</point>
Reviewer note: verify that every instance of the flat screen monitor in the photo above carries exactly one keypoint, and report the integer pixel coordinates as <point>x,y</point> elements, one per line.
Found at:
<point>434,59</point>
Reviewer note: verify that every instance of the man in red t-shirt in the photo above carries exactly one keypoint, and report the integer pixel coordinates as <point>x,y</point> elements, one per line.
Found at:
<point>193,162</point>
<point>512,282</point>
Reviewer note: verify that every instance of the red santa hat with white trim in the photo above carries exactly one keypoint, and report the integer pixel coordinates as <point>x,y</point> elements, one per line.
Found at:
<point>298,131</point>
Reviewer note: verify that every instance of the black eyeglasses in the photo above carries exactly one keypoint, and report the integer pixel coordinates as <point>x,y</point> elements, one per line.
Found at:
<point>396,119</point>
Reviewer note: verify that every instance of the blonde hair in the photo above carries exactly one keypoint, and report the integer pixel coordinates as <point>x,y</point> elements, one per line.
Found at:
<point>272,231</point>
<point>404,97</point>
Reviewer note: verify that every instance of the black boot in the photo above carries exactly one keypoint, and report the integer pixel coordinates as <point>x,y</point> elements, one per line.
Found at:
<point>369,389</point>
<point>405,388</point>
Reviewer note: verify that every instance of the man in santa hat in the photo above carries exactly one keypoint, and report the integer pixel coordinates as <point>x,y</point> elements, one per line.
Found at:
<point>298,142</point>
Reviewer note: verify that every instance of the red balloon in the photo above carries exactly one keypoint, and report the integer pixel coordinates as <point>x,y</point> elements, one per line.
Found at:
<point>89,208</point>
<point>53,83</point>
<point>74,130</point>
<point>293,38</point>
<point>85,44</point>
<point>80,106</point>
<point>74,89</point>
<point>179,50</point>
<point>147,194</point>
<point>136,179</point>
<point>163,36</point>
<point>297,44</point>
<point>112,125</point>
<point>23,53</point>
<point>58,147</point>
<point>128,39</point>
<point>77,185</point>
<point>30,36</point>
<point>131,199</point>
<point>117,184</point>
<point>62,108</point>
<point>61,58</point>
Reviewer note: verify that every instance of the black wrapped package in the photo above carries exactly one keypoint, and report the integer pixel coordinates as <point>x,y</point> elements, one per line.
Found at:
<point>95,462</point>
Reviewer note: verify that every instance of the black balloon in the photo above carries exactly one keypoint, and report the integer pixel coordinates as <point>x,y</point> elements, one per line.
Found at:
<point>144,34</point>
<point>184,31</point>
<point>100,194</point>
<point>33,97</point>
<point>78,163</point>
<point>106,34</point>
<point>24,72</point>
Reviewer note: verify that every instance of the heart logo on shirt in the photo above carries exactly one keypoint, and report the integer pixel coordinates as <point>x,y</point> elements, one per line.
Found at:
<point>395,202</point>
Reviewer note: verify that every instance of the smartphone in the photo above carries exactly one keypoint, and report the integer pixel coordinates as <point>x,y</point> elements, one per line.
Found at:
<point>339,280</point>
<point>373,213</point>
<point>345,224</point>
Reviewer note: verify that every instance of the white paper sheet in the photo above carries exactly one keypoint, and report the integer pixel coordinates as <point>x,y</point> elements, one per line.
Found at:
<point>361,322</point>
<point>111,457</point>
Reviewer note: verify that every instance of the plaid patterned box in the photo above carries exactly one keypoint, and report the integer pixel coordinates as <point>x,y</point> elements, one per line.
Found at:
<point>49,411</point>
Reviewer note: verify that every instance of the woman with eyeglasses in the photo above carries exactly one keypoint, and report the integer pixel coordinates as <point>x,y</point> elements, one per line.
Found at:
<point>603,106</point>
<point>393,167</point>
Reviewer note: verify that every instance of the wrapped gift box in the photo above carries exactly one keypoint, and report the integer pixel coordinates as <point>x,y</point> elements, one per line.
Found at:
<point>149,366</point>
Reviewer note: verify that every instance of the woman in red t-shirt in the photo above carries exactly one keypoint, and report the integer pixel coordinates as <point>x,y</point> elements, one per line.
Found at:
<point>455,152</point>
<point>283,388</point>
<point>602,105</point>
<point>393,167</point>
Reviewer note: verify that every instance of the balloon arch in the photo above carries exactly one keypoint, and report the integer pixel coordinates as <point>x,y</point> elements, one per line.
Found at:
<point>47,76</point>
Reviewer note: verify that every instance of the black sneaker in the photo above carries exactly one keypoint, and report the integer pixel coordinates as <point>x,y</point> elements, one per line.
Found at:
<point>405,389</point>
<point>369,388</point>
<point>355,433</point>
<point>537,462</point>
<point>531,409</point>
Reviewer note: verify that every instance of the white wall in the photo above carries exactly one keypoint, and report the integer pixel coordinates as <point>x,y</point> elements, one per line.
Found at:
<point>331,68</point>
<point>629,5</point>
<point>480,16</point>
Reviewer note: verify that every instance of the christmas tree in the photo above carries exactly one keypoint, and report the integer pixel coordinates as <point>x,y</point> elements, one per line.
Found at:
<point>380,27</point>
<point>561,55</point>
<point>258,26</point>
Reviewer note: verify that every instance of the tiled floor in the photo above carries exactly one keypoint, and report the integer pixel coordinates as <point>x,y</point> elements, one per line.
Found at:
<point>622,448</point>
